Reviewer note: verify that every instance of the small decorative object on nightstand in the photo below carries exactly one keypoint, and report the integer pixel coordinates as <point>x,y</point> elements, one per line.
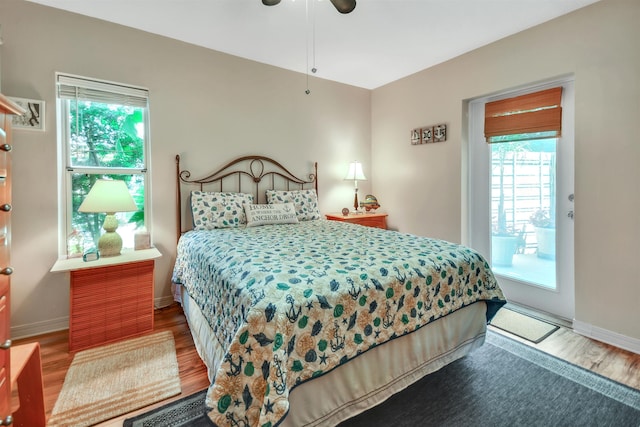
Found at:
<point>141,239</point>
<point>345,211</point>
<point>91,255</point>
<point>75,244</point>
<point>371,203</point>
<point>378,220</point>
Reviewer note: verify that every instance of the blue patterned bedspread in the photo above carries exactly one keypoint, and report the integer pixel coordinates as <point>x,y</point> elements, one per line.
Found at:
<point>291,302</point>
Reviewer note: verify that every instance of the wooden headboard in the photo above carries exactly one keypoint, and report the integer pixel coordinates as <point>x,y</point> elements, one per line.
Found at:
<point>248,174</point>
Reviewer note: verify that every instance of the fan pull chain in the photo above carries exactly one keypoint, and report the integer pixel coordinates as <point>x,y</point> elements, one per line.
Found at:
<point>307,91</point>
<point>313,35</point>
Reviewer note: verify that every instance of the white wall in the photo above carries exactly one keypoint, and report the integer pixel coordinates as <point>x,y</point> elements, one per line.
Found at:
<point>424,186</point>
<point>206,106</point>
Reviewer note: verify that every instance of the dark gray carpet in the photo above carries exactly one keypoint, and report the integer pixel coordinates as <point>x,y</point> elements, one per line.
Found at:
<point>504,383</point>
<point>187,412</point>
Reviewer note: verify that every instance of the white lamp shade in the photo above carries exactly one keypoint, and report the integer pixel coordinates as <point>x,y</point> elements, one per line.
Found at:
<point>355,172</point>
<point>108,196</point>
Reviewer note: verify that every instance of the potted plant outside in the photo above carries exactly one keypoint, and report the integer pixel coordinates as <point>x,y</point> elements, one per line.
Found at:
<point>504,244</point>
<point>545,228</point>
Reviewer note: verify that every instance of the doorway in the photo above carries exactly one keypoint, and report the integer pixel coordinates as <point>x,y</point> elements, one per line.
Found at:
<point>521,199</point>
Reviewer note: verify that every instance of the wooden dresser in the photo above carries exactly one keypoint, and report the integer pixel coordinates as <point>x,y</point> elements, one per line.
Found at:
<point>19,365</point>
<point>378,220</point>
<point>6,110</point>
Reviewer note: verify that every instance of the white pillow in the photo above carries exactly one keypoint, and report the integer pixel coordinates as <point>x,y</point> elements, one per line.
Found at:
<point>283,213</point>
<point>218,210</point>
<point>305,202</point>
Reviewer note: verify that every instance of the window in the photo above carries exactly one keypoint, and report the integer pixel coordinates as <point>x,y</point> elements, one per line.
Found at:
<point>104,134</point>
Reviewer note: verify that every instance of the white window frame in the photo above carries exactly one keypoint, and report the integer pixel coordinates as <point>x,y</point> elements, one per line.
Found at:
<point>64,162</point>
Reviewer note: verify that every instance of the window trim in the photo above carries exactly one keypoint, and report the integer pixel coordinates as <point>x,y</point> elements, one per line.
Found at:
<point>65,171</point>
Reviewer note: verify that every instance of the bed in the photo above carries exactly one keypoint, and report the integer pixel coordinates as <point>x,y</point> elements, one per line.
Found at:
<point>303,321</point>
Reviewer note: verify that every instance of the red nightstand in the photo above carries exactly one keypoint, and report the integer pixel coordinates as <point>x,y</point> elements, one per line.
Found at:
<point>111,298</point>
<point>378,220</point>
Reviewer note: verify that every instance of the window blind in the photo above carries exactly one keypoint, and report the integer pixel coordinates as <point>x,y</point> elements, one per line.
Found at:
<point>70,87</point>
<point>538,115</point>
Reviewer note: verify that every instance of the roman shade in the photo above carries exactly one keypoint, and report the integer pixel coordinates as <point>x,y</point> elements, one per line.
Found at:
<point>532,116</point>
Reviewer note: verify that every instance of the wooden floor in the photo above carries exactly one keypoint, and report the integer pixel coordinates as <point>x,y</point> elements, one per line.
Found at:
<point>606,360</point>
<point>56,360</point>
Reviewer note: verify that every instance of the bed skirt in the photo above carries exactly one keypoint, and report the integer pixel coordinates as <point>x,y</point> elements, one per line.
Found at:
<point>373,376</point>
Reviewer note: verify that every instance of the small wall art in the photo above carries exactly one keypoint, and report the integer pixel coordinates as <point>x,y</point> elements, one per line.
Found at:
<point>429,134</point>
<point>415,137</point>
<point>33,119</point>
<point>439,133</point>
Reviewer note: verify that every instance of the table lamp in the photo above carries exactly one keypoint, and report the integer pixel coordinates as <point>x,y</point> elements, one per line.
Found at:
<point>355,173</point>
<point>109,196</point>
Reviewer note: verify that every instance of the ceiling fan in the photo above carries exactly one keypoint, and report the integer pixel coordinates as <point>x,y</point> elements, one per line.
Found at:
<point>343,6</point>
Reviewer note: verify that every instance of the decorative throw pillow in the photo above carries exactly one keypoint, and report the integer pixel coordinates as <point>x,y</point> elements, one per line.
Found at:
<point>281,213</point>
<point>218,210</point>
<point>305,202</point>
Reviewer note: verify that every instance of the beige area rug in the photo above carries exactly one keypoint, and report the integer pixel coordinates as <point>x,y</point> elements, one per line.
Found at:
<point>111,380</point>
<point>522,325</point>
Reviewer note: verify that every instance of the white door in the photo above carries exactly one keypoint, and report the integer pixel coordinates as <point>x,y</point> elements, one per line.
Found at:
<point>518,192</point>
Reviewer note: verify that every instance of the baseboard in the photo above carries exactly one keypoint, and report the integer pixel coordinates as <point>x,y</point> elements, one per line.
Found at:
<point>39,328</point>
<point>163,301</point>
<point>62,323</point>
<point>606,336</point>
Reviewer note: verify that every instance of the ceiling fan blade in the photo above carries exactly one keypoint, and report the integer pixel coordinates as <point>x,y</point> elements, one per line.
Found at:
<point>343,6</point>
<point>270,2</point>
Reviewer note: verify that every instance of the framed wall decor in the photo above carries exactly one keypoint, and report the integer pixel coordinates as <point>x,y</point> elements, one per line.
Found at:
<point>415,137</point>
<point>439,133</point>
<point>33,119</point>
<point>427,135</point>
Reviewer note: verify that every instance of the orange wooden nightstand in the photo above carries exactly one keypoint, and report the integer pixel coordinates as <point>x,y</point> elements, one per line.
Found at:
<point>111,298</point>
<point>378,220</point>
